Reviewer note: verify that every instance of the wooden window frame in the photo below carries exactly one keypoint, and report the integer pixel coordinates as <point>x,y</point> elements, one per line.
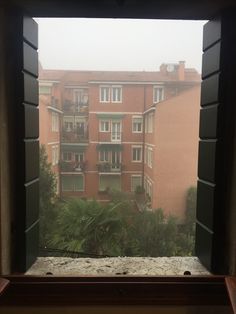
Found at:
<point>172,290</point>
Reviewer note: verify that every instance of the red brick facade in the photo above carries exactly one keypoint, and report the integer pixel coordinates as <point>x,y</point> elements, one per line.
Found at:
<point>115,130</point>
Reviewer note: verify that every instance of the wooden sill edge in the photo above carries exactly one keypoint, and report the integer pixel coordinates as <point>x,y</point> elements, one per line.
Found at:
<point>231,288</point>
<point>4,283</point>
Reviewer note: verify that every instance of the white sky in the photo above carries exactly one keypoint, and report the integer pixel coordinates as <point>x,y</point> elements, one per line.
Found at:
<point>115,44</point>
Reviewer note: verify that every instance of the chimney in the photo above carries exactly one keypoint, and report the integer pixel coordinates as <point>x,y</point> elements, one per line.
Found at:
<point>163,68</point>
<point>181,71</point>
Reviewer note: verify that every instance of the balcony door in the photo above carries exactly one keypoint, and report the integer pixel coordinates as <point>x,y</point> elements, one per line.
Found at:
<point>115,161</point>
<point>116,131</point>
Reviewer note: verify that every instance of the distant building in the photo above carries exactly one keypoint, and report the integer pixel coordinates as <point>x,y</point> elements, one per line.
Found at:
<point>113,127</point>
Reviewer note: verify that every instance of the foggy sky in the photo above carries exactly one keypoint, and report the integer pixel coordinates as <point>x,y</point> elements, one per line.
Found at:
<point>114,44</point>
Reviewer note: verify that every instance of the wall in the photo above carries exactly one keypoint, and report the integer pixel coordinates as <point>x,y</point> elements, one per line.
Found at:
<point>176,150</point>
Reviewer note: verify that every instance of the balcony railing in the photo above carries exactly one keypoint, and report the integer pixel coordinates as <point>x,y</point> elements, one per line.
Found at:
<point>109,167</point>
<point>80,108</point>
<point>73,136</point>
<point>114,137</point>
<point>72,166</point>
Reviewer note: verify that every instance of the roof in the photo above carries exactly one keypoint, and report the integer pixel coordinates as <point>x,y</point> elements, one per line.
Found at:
<point>83,77</point>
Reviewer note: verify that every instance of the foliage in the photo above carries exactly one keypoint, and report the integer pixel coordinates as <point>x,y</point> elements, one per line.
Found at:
<point>188,229</point>
<point>47,195</point>
<point>139,189</point>
<point>116,229</point>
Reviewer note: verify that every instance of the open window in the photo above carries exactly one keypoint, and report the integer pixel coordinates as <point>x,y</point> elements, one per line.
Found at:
<point>213,163</point>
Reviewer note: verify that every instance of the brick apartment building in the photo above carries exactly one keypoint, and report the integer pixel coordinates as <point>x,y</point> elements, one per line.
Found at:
<point>108,130</point>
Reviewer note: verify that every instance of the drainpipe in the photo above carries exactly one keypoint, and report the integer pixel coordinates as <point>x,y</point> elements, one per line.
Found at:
<point>143,152</point>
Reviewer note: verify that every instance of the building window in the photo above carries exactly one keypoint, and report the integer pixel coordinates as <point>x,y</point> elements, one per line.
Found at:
<point>104,126</point>
<point>104,94</point>
<point>137,153</point>
<point>116,127</point>
<point>148,187</point>
<point>72,183</point>
<point>137,125</point>
<point>158,94</point>
<point>79,157</point>
<point>55,155</point>
<point>104,156</point>
<point>116,94</point>
<point>44,90</point>
<point>136,181</point>
<point>55,122</point>
<point>149,118</point>
<point>81,96</point>
<point>67,156</point>
<point>149,157</point>
<point>109,182</point>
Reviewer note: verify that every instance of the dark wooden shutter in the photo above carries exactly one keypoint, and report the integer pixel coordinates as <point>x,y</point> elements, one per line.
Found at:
<point>27,143</point>
<point>216,142</point>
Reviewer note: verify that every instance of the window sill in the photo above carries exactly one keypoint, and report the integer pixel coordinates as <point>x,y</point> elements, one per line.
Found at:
<point>131,266</point>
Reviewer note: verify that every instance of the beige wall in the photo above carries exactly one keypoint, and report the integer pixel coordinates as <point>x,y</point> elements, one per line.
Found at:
<point>176,150</point>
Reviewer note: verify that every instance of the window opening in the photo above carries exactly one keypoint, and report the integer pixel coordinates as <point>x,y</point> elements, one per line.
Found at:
<point>122,148</point>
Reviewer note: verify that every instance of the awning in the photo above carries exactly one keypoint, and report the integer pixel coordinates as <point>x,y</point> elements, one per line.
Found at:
<point>110,147</point>
<point>110,116</point>
<point>73,148</point>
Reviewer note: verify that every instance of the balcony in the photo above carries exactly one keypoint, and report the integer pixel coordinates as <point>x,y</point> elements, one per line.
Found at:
<point>110,137</point>
<point>105,167</point>
<point>80,108</point>
<point>73,136</point>
<point>72,166</point>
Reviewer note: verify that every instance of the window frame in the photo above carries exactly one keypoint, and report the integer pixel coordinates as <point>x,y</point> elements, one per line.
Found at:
<point>114,87</point>
<point>140,147</point>
<point>158,99</point>
<point>74,176</point>
<point>66,159</point>
<point>131,183</point>
<point>134,123</point>
<point>55,122</point>
<point>100,126</point>
<point>101,95</point>
<point>113,13</point>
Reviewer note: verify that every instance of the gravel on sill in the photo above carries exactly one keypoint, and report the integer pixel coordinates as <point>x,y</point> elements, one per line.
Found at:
<point>117,266</point>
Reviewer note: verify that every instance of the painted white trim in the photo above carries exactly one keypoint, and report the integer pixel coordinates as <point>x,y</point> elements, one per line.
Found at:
<point>54,109</point>
<point>109,173</point>
<point>148,178</point>
<point>152,145</point>
<point>149,109</point>
<point>127,82</point>
<point>114,113</point>
<point>96,142</point>
<point>75,144</point>
<point>47,82</point>
<point>130,171</point>
<point>91,171</point>
<point>76,86</point>
<point>53,143</point>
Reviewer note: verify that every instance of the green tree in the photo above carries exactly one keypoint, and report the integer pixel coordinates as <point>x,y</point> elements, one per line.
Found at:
<point>89,226</point>
<point>47,198</point>
<point>186,238</point>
